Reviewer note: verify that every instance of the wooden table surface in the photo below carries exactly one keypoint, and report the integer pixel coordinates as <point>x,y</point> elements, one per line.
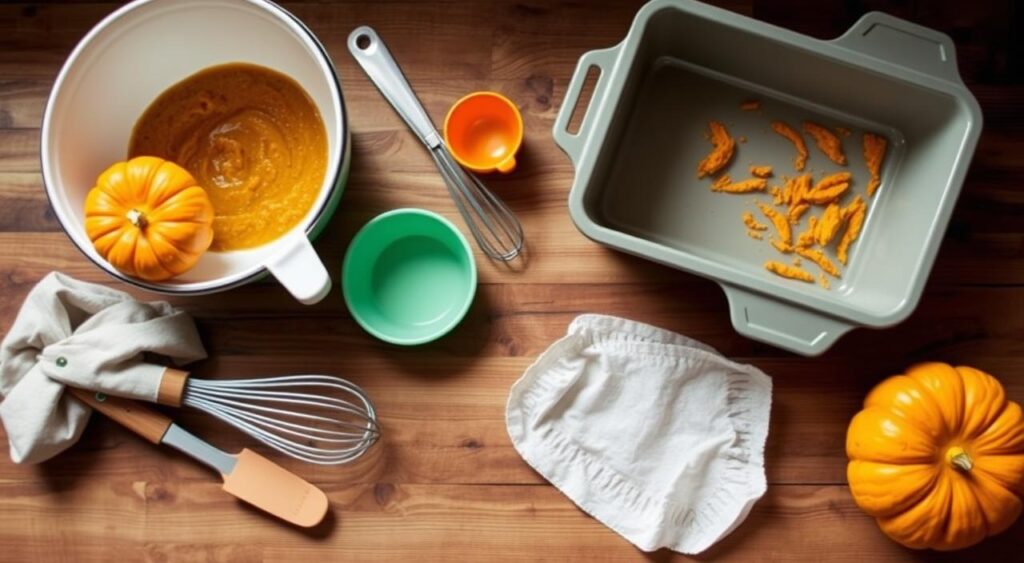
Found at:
<point>445,483</point>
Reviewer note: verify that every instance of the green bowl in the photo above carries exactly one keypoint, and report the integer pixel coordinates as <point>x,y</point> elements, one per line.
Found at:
<point>409,276</point>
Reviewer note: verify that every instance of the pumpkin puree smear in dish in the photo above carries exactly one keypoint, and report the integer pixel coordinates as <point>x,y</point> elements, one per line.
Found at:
<point>721,154</point>
<point>874,152</point>
<point>798,143</point>
<point>835,215</point>
<point>827,141</point>
<point>251,137</point>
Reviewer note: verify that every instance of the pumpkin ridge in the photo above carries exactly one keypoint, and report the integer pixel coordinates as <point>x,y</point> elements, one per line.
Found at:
<point>1004,436</point>
<point>200,213</point>
<point>183,244</point>
<point>873,436</point>
<point>108,183</point>
<point>159,258</point>
<point>964,504</point>
<point>152,174</point>
<point>123,249</point>
<point>947,509</point>
<point>99,226</point>
<point>991,486</point>
<point>151,171</point>
<point>144,249</point>
<point>857,472</point>
<point>940,380</point>
<point>131,183</point>
<point>114,199</point>
<point>983,468</point>
<point>902,396</point>
<point>104,243</point>
<point>968,477</point>
<point>982,394</point>
<point>918,526</point>
<point>175,181</point>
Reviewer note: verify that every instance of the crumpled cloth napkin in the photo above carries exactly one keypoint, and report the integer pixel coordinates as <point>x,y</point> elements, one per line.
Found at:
<point>654,434</point>
<point>70,332</point>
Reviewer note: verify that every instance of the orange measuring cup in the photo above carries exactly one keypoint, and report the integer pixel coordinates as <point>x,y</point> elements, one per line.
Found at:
<point>483,131</point>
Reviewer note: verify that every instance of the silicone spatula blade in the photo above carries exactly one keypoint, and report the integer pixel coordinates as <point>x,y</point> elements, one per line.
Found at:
<point>266,485</point>
<point>248,476</point>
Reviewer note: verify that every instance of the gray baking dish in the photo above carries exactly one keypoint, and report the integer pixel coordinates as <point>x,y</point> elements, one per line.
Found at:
<point>684,63</point>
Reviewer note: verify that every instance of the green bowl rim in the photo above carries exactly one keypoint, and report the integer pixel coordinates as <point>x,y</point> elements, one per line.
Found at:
<point>471,294</point>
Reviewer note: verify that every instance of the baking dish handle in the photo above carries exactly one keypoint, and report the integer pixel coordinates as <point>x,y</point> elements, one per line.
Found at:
<point>300,270</point>
<point>891,39</point>
<point>777,323</point>
<point>573,144</point>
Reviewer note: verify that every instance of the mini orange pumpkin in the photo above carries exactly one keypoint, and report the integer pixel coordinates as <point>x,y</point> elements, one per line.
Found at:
<point>937,457</point>
<point>148,218</point>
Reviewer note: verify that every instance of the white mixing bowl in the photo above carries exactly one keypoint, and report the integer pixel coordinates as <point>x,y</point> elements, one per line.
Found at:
<point>135,54</point>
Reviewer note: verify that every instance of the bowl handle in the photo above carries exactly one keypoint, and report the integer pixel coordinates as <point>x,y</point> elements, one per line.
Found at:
<point>300,271</point>
<point>602,60</point>
<point>783,325</point>
<point>896,41</point>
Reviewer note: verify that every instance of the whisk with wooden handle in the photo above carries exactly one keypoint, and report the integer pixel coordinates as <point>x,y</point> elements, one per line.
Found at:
<point>495,228</point>
<point>314,418</point>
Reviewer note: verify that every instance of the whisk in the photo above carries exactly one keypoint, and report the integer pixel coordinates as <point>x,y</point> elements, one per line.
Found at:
<point>314,418</point>
<point>493,225</point>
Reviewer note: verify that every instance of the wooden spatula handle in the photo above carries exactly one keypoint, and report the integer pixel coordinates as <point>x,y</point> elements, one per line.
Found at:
<point>133,415</point>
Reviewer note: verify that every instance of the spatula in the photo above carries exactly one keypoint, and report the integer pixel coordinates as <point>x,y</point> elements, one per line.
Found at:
<point>247,475</point>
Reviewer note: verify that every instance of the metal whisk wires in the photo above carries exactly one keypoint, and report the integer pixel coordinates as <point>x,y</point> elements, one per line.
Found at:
<point>496,229</point>
<point>314,418</point>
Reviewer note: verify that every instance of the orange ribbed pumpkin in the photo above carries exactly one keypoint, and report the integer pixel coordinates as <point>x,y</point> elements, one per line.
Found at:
<point>148,218</point>
<point>937,457</point>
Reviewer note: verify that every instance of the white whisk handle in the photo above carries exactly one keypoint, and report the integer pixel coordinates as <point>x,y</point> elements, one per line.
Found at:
<point>372,54</point>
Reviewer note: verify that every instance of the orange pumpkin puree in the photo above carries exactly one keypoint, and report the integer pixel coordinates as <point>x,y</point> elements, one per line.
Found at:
<point>752,223</point>
<point>827,142</point>
<point>798,142</point>
<point>791,272</point>
<point>721,154</point>
<point>829,189</point>
<point>874,152</point>
<point>251,137</point>
<point>725,184</point>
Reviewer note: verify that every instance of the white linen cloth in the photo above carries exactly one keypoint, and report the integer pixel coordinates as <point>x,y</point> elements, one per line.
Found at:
<point>85,335</point>
<point>654,434</point>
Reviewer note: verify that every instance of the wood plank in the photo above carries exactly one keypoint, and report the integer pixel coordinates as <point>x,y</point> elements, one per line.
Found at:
<point>22,102</point>
<point>426,522</point>
<point>25,206</point>
<point>19,150</point>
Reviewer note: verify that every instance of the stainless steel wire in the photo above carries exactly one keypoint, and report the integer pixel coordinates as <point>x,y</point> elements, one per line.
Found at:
<point>314,418</point>
<point>493,225</point>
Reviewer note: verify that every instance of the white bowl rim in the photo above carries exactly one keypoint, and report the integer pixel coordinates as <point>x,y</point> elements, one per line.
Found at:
<point>304,34</point>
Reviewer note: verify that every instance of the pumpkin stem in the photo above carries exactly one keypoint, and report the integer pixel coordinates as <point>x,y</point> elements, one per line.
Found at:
<point>137,218</point>
<point>959,458</point>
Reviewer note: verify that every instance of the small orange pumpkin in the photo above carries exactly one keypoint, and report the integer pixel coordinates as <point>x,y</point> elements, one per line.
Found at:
<point>148,218</point>
<point>937,457</point>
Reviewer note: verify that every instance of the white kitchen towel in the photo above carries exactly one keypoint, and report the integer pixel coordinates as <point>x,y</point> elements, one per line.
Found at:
<point>85,335</point>
<point>654,434</point>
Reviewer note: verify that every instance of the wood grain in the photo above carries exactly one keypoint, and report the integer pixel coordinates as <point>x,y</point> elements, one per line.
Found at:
<point>445,483</point>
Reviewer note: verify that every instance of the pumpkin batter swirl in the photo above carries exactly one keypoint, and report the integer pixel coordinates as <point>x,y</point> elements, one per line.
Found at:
<point>252,139</point>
